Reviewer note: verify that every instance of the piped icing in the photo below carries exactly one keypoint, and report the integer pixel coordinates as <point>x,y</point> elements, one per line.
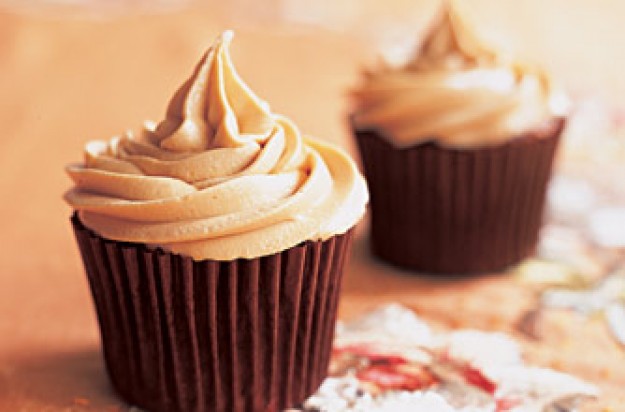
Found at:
<point>456,92</point>
<point>221,177</point>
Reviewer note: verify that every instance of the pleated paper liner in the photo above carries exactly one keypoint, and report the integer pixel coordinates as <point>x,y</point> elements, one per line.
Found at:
<point>457,211</point>
<point>243,335</point>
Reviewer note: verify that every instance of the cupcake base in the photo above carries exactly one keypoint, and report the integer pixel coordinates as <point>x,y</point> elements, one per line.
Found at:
<point>457,211</point>
<point>243,335</point>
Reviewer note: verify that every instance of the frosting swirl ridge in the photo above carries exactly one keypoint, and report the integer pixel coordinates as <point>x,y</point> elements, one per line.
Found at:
<point>221,177</point>
<point>455,92</point>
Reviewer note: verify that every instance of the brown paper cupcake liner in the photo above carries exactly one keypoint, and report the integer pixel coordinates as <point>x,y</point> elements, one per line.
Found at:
<point>457,211</point>
<point>243,335</point>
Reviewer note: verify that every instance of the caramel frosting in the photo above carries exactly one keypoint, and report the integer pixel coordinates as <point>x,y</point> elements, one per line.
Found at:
<point>221,178</point>
<point>455,92</point>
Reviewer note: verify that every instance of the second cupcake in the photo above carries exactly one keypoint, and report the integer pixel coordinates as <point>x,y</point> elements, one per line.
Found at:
<point>457,147</point>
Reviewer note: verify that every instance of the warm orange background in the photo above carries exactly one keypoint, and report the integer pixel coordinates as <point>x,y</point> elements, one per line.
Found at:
<point>67,76</point>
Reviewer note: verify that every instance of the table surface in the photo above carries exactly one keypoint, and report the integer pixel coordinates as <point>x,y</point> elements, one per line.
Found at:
<point>68,80</point>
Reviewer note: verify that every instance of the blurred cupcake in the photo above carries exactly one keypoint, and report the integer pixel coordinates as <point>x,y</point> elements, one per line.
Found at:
<point>457,147</point>
<point>214,245</point>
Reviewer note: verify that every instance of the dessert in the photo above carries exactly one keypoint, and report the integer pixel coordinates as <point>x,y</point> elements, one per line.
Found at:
<point>214,244</point>
<point>457,147</point>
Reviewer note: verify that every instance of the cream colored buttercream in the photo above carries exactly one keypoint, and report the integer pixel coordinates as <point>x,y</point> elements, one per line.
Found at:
<point>220,178</point>
<point>456,92</point>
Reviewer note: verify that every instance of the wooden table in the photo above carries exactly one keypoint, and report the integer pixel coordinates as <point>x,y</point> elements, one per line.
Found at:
<point>64,81</point>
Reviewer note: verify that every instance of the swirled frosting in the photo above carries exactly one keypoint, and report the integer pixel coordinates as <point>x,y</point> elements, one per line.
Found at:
<point>455,92</point>
<point>220,178</point>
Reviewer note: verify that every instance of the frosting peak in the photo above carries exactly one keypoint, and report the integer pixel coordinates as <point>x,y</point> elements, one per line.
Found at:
<point>455,91</point>
<point>220,178</point>
<point>450,45</point>
<point>214,107</point>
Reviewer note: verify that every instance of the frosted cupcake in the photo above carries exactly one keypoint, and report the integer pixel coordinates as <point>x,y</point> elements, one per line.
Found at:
<point>457,147</point>
<point>214,244</point>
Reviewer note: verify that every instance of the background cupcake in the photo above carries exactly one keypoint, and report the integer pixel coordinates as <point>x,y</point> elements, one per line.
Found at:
<point>457,146</point>
<point>214,244</point>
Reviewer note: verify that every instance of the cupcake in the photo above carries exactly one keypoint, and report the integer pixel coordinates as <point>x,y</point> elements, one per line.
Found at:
<point>457,147</point>
<point>214,244</point>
